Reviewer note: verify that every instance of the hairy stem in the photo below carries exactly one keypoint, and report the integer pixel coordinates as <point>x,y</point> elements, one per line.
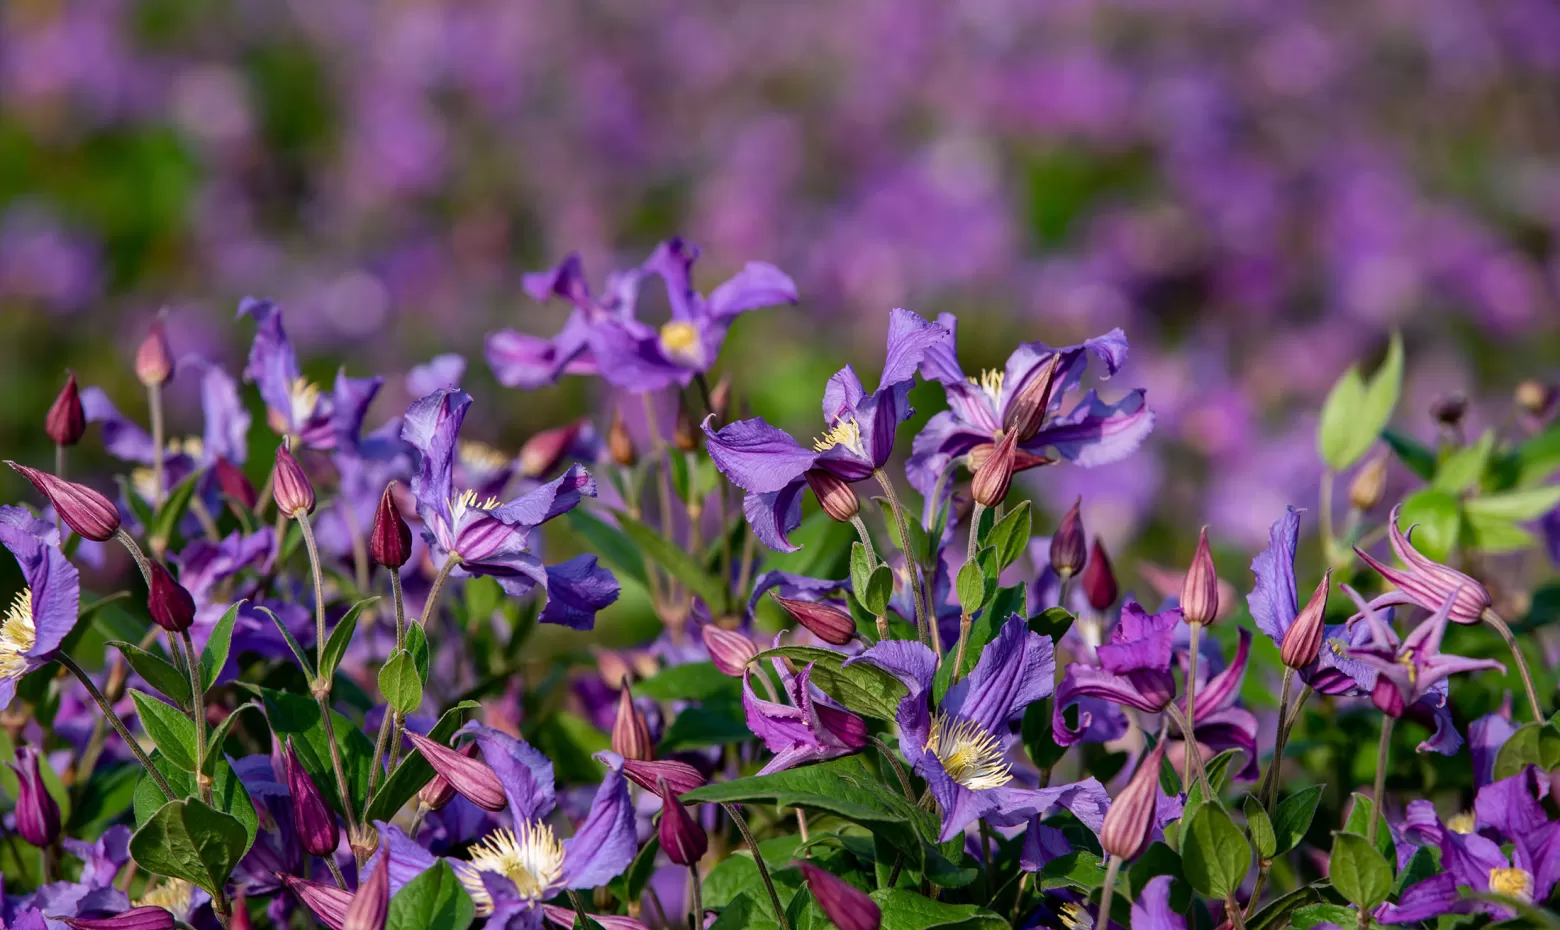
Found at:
<point>927,630</point>
<point>335,872</point>
<point>899,770</point>
<point>1494,619</point>
<point>866,538</point>
<point>763,870</point>
<point>1270,777</point>
<point>1192,752</point>
<point>432,602</point>
<point>116,723</point>
<point>307,530</point>
<point>141,562</point>
<point>1107,889</point>
<point>1377,797</point>
<point>198,717</point>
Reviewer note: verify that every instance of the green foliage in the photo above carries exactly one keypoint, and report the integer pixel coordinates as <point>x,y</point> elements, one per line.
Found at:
<point>860,686</point>
<point>434,898</point>
<point>189,840</point>
<point>1214,853</point>
<point>1356,410</point>
<point>1358,870</point>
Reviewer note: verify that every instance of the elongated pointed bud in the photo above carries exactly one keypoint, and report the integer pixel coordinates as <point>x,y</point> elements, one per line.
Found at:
<point>564,917</point>
<point>684,435</point>
<point>543,451</point>
<point>1303,640</point>
<point>720,398</point>
<point>827,622</point>
<point>837,498</point>
<point>90,514</point>
<point>153,358</point>
<point>66,421</point>
<point>1200,590</point>
<point>683,840</point>
<point>290,486</point>
<point>630,732</point>
<point>1130,821</point>
<point>475,781</point>
<point>978,456</point>
<point>438,793</point>
<point>235,484</point>
<point>1099,579</point>
<point>170,603</point>
<point>678,776</point>
<point>620,445</point>
<point>1068,552</point>
<point>37,813</point>
<point>327,902</point>
<point>371,904</point>
<point>240,919</point>
<point>1026,412</point>
<point>312,817</point>
<point>729,650</point>
<point>846,906</point>
<point>1369,485</point>
<point>990,484</point>
<point>146,917</point>
<point>390,539</point>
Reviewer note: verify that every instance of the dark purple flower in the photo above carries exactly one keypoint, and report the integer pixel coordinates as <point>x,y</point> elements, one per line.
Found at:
<point>1407,669</point>
<point>1134,669</point>
<point>42,614</point>
<point>771,466</point>
<point>312,817</point>
<point>37,813</point>
<point>810,729</point>
<point>172,607</point>
<point>526,361</point>
<point>225,434</point>
<point>294,404</point>
<point>682,838</point>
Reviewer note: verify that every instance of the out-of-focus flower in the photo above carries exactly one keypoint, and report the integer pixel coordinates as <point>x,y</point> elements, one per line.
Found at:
<point>1407,669</point>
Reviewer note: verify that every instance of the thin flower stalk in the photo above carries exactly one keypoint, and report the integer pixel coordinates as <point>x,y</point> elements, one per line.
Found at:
<point>927,630</point>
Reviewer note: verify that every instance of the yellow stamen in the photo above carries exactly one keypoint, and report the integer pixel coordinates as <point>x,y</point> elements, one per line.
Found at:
<point>845,433</point>
<point>1513,883</point>
<point>173,894</point>
<point>1460,823</point>
<point>990,381</point>
<point>467,500</point>
<point>679,337</point>
<point>531,857</point>
<point>17,635</point>
<point>479,456</point>
<point>1076,918</point>
<point>1407,661</point>
<point>971,756</point>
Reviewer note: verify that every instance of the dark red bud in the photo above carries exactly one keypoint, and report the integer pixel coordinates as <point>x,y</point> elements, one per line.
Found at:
<point>991,482</point>
<point>1099,580</point>
<point>154,359</point>
<point>680,777</point>
<point>472,777</point>
<point>846,906</point>
<point>543,451</point>
<point>827,622</point>
<point>836,497</point>
<point>1303,640</point>
<point>1130,821</point>
<point>290,486</point>
<point>682,839</point>
<point>235,484</point>
<point>66,421</point>
<point>169,602</point>
<point>390,540</point>
<point>630,731</point>
<point>90,514</point>
<point>312,817</point>
<point>1068,548</point>
<point>1026,413</point>
<point>1200,590</point>
<point>37,813</point>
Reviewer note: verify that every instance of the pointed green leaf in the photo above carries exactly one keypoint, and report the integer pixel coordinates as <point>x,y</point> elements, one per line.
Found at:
<point>1439,515</point>
<point>189,840</point>
<point>1355,412</point>
<point>341,637</point>
<point>227,793</point>
<point>611,545</point>
<point>292,642</point>
<point>908,910</point>
<point>173,732</point>
<point>676,562</point>
<point>1010,535</point>
<point>215,654</point>
<point>434,899</point>
<point>1525,504</point>
<point>399,682</point>
<point>1359,872</point>
<point>299,717</point>
<point>1214,853</point>
<point>1292,818</point>
<point>1463,468</point>
<point>171,512</point>
<point>860,686</point>
<point>219,735</point>
<point>1260,826</point>
<point>1358,823</point>
<point>156,670</point>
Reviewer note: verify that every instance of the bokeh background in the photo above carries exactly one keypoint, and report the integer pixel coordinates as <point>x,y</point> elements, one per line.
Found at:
<point>1257,192</point>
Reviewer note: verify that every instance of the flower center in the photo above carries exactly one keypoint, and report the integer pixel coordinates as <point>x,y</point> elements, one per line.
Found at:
<point>531,857</point>
<point>971,756</point>
<point>467,501</point>
<point>1460,823</point>
<point>174,894</point>
<point>1075,917</point>
<point>1513,883</point>
<point>679,337</point>
<point>305,397</point>
<point>1407,661</point>
<point>481,457</point>
<point>990,381</point>
<point>17,635</point>
<point>846,432</point>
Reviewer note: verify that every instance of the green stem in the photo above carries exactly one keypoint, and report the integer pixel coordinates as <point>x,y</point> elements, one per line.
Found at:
<point>335,872</point>
<point>116,723</point>
<point>141,562</point>
<point>198,717</point>
<point>1202,774</point>
<point>154,404</point>
<point>1270,777</point>
<point>1192,752</point>
<point>758,857</point>
<point>866,538</point>
<point>1107,889</point>
<point>928,631</point>
<point>697,914</point>
<point>432,602</point>
<point>1383,752</point>
<point>1494,619</point>
<point>307,530</point>
<point>965,620</point>
<point>899,770</point>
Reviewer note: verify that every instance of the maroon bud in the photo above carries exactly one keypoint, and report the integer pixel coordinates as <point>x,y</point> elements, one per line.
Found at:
<point>827,622</point>
<point>630,732</point>
<point>1068,549</point>
<point>683,840</point>
<point>1387,697</point>
<point>620,445</point>
<point>1099,580</point>
<point>37,813</point>
<point>1129,823</point>
<point>1200,590</point>
<point>729,650</point>
<point>235,484</point>
<point>851,729</point>
<point>680,777</point>
<point>1027,411</point>
<point>439,792</point>
<point>327,902</point>
<point>1448,409</point>
<point>154,359</point>
<point>290,486</point>
<point>146,917</point>
<point>312,817</point>
<point>978,456</point>
<point>543,451</point>
<point>684,436</point>
<point>990,485</point>
<point>836,497</point>
<point>240,919</point>
<point>564,917</point>
<point>371,904</point>
<point>1303,640</point>
<point>169,602</point>
<point>66,421</point>
<point>846,906</point>
<point>84,510</point>
<point>471,777</point>
<point>390,540</point>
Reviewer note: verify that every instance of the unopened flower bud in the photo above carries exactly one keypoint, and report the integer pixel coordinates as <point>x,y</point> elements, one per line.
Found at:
<point>720,398</point>
<point>438,793</point>
<point>976,458</point>
<point>146,917</point>
<point>837,498</point>
<point>66,421</point>
<point>37,813</point>
<point>1369,485</point>
<point>235,484</point>
<point>649,775</point>
<point>169,602</point>
<point>370,906</point>
<point>240,919</point>
<point>290,486</point>
<point>312,817</point>
<point>846,906</point>
<point>1448,410</point>
<point>991,482</point>
<point>684,436</point>
<point>620,445</point>
<point>630,731</point>
<point>154,359</point>
<point>729,650</point>
<point>543,451</point>
<point>1099,579</point>
<point>390,540</point>
<point>1303,640</point>
<point>475,781</point>
<point>326,902</point>
<point>1068,549</point>
<point>90,514</point>
<point>827,622</point>
<point>1535,398</point>
<point>1130,821</point>
<point>1027,411</point>
<point>1200,590</point>
<point>683,840</point>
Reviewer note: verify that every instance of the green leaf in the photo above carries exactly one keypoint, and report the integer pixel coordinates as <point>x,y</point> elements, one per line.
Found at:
<point>156,670</point>
<point>1421,865</point>
<point>614,548</point>
<point>88,612</point>
<point>299,717</point>
<point>1494,535</point>
<point>973,587</point>
<point>189,840</point>
<point>1010,535</point>
<point>1531,744</point>
<point>1304,918</point>
<point>1080,869</point>
<point>399,682</point>
<point>861,567</point>
<point>1537,457</point>
<point>860,686</point>
<point>1463,468</point>
<point>1419,459</point>
<point>434,899</point>
<point>1260,826</point>
<point>227,793</point>
<point>414,771</point>
<point>1292,818</point>
<point>1214,853</point>
<point>219,736</point>
<point>1158,859</point>
<point>737,874</point>
<point>1358,871</point>
<point>218,645</point>
<point>1439,515</point>
<point>1276,913</point>
<point>631,884</point>
<point>292,643</point>
<point>920,547</point>
<point>1525,504</point>
<point>1053,622</point>
<point>676,562</point>
<point>172,510</point>
<point>694,681</point>
<point>340,638</point>
<point>1358,823</point>
<point>711,724</point>
<point>173,732</point>
<point>907,910</point>
<point>1356,412</point>
<point>1038,736</point>
<point>879,590</point>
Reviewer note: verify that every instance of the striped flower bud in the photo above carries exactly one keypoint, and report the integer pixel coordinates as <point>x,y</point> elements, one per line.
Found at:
<point>327,902</point>
<point>146,917</point>
<point>729,650</point>
<point>37,813</point>
<point>169,602</point>
<point>825,621</point>
<point>90,514</point>
<point>837,498</point>
<point>1068,549</point>
<point>1099,579</point>
<point>1130,821</point>
<point>1429,583</point>
<point>153,358</point>
<point>312,817</point>
<point>1303,640</point>
<point>620,445</point>
<point>1026,412</point>
<point>543,451</point>
<point>66,421</point>
<point>1200,590</point>
<point>680,777</point>
<point>684,435</point>
<point>564,917</point>
<point>475,781</point>
<point>240,919</point>
<point>390,539</point>
<point>991,482</point>
<point>371,904</point>
<point>438,793</point>
<point>235,484</point>
<point>290,486</point>
<point>1369,485</point>
<point>977,457</point>
<point>683,840</point>
<point>630,731</point>
<point>846,906</point>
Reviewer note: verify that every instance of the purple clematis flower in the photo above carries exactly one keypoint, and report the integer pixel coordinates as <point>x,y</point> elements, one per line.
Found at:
<point>42,614</point>
<point>810,729</point>
<point>92,895</point>
<point>489,537</point>
<point>1152,910</point>
<point>773,468</point>
<point>960,748</point>
<point>1092,433</point>
<point>1134,670</point>
<point>1274,601</point>
<point>1406,670</point>
<point>526,361</point>
<point>1425,582</point>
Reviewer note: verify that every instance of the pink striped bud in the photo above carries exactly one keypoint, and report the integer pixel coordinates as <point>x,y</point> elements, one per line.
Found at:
<point>837,498</point>
<point>630,731</point>
<point>153,358</point>
<point>827,622</point>
<point>437,794</point>
<point>995,476</point>
<point>1068,549</point>
<point>1200,590</point>
<point>90,514</point>
<point>290,486</point>
<point>1026,412</point>
<point>312,817</point>
<point>683,840</point>
<point>371,904</point>
<point>564,917</point>
<point>543,451</point>
<point>66,421</point>
<point>1303,640</point>
<point>475,781</point>
<point>729,650</point>
<point>1130,821</point>
<point>327,902</point>
<point>680,777</point>
<point>846,906</point>
<point>148,917</point>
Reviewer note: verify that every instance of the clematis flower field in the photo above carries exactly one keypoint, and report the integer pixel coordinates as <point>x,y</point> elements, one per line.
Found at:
<point>650,466</point>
